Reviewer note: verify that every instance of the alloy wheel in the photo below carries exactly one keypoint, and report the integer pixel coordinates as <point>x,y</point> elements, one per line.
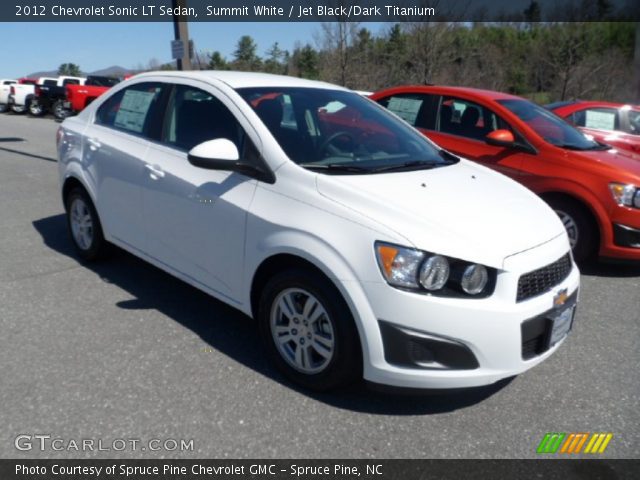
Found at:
<point>302,331</point>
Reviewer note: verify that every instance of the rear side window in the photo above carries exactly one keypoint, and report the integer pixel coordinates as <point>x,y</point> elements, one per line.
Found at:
<point>71,81</point>
<point>417,109</point>
<point>597,118</point>
<point>50,83</point>
<point>195,116</point>
<point>131,109</point>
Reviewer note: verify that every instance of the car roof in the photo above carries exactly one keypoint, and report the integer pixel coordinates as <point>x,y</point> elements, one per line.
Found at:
<point>243,79</point>
<point>591,104</point>
<point>490,94</point>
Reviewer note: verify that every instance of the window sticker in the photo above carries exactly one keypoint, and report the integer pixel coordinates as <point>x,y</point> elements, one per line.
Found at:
<point>133,110</point>
<point>600,120</point>
<point>406,108</point>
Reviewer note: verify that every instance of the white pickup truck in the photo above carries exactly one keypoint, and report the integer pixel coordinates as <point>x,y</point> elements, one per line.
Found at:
<point>5,90</point>
<point>22,94</point>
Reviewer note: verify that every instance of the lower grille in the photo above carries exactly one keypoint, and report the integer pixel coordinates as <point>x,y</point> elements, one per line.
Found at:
<point>544,279</point>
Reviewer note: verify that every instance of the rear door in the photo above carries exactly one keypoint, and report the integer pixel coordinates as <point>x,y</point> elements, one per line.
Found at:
<point>114,147</point>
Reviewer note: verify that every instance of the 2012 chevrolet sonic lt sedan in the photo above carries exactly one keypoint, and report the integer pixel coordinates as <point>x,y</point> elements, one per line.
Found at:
<point>360,247</point>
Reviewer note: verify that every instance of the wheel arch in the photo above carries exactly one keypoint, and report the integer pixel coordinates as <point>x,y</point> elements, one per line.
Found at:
<point>589,207</point>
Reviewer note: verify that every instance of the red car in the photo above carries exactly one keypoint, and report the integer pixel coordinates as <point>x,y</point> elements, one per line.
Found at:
<point>81,96</point>
<point>613,123</point>
<point>594,189</point>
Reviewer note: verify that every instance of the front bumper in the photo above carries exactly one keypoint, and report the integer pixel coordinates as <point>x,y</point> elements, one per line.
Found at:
<point>490,329</point>
<point>621,240</point>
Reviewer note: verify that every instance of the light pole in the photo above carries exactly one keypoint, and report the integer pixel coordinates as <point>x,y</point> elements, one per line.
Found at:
<point>181,32</point>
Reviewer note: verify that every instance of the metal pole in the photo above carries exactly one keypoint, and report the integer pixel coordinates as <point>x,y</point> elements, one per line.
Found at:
<point>181,32</point>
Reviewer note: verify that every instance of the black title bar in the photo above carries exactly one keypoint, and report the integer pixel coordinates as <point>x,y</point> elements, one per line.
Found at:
<point>318,10</point>
<point>578,469</point>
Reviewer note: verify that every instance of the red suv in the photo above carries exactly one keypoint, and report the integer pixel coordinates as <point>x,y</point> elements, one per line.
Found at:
<point>613,123</point>
<point>593,188</point>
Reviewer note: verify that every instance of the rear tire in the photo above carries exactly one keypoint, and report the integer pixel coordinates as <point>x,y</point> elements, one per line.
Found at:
<point>36,109</point>
<point>4,107</point>
<point>59,111</point>
<point>308,331</point>
<point>581,229</point>
<point>84,226</point>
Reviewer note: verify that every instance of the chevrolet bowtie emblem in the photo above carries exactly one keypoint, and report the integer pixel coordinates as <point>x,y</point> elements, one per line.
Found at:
<point>560,298</point>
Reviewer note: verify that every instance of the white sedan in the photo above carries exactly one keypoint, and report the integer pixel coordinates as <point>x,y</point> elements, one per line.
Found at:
<point>361,248</point>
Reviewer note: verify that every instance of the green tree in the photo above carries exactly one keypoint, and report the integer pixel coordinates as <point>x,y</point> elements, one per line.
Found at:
<point>217,62</point>
<point>305,61</point>
<point>245,57</point>
<point>276,61</point>
<point>70,69</point>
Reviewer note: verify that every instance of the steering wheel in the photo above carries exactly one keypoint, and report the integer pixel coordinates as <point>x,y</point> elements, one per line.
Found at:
<point>335,136</point>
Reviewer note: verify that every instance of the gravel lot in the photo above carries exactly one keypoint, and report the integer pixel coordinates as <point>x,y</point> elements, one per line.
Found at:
<point>121,350</point>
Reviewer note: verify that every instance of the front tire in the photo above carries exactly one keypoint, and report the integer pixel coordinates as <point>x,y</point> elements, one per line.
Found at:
<point>84,226</point>
<point>308,331</point>
<point>18,109</point>
<point>581,229</point>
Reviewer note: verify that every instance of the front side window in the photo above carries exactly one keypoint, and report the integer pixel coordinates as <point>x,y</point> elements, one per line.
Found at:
<point>468,119</point>
<point>131,109</point>
<point>549,126</point>
<point>195,116</point>
<point>340,131</point>
<point>634,122</point>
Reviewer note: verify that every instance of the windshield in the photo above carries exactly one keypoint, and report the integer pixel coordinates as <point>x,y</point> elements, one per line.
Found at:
<point>549,126</point>
<point>340,131</point>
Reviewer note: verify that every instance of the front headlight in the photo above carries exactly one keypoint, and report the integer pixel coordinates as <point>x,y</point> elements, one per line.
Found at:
<point>625,195</point>
<point>399,265</point>
<point>474,279</point>
<point>431,273</point>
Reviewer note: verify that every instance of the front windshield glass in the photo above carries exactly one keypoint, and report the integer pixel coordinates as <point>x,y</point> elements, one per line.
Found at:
<point>340,131</point>
<point>549,126</point>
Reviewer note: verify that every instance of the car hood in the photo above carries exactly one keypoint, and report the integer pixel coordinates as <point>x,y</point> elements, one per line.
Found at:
<point>464,210</point>
<point>617,158</point>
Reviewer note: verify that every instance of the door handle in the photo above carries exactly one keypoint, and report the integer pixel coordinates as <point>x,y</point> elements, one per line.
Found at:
<point>93,144</point>
<point>155,171</point>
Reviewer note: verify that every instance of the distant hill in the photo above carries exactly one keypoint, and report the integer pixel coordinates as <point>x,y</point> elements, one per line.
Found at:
<point>113,71</point>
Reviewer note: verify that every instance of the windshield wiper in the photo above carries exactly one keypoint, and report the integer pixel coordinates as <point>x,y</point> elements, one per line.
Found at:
<point>412,165</point>
<point>449,156</point>
<point>335,167</point>
<point>571,146</point>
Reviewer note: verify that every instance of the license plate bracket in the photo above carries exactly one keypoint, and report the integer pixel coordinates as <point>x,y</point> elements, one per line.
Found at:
<point>561,323</point>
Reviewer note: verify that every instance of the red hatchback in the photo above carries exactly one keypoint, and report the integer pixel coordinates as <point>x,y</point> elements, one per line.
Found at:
<point>594,189</point>
<point>613,123</point>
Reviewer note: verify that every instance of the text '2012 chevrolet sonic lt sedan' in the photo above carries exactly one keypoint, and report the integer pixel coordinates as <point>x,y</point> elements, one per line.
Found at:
<point>360,247</point>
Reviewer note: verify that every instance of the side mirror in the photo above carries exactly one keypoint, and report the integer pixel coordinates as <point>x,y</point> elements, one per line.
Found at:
<point>501,138</point>
<point>218,154</point>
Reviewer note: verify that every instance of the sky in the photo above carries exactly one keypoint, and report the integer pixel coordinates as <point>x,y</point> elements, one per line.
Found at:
<point>32,47</point>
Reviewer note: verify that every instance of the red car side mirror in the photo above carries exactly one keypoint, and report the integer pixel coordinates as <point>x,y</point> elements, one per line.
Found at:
<point>501,138</point>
